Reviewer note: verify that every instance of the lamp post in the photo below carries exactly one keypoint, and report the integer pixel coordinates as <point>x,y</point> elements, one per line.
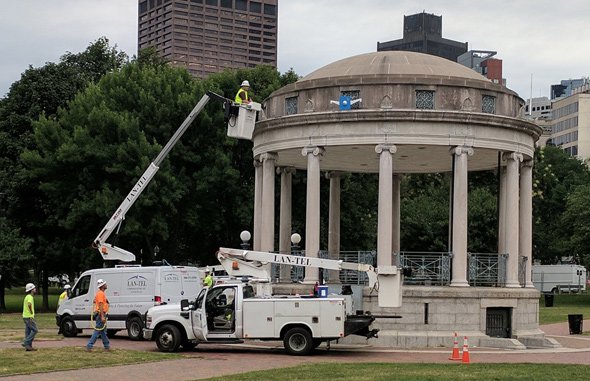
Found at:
<point>245,237</point>
<point>297,273</point>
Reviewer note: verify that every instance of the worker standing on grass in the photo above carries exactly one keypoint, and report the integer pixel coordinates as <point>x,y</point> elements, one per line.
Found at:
<point>208,280</point>
<point>100,315</point>
<point>64,295</point>
<point>29,317</point>
<point>242,94</point>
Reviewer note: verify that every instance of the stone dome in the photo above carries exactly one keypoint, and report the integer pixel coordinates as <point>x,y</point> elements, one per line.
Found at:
<point>394,63</point>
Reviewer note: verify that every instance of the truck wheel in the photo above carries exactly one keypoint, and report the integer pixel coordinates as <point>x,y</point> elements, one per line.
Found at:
<point>168,338</point>
<point>188,346</point>
<point>68,327</point>
<point>135,328</point>
<point>298,341</point>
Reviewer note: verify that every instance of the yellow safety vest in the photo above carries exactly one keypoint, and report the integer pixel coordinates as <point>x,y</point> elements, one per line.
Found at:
<point>238,99</point>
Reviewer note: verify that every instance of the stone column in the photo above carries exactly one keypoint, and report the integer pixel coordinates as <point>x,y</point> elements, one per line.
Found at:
<point>285,219</point>
<point>502,213</point>
<point>385,210</point>
<point>526,220</point>
<point>312,210</point>
<point>257,203</point>
<point>459,238</point>
<point>396,206</point>
<point>267,234</point>
<point>513,160</point>
<point>334,223</point>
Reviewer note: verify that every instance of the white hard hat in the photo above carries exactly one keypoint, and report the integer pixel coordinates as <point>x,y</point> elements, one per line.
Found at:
<point>29,287</point>
<point>67,287</point>
<point>207,269</point>
<point>245,83</point>
<point>100,283</point>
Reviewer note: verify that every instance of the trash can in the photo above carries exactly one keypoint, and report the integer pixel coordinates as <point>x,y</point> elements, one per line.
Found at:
<point>549,299</point>
<point>575,322</point>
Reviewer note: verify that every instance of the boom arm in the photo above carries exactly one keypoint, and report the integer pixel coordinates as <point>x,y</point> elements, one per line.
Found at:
<point>386,279</point>
<point>114,253</point>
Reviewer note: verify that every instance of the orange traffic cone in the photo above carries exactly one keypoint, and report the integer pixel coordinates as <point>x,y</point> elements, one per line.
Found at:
<point>465,357</point>
<point>455,355</point>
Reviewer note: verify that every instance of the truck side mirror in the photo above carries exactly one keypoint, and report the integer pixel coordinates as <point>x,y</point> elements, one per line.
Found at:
<point>184,306</point>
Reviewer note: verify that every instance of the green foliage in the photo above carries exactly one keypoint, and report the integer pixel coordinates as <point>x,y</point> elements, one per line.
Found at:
<point>555,176</point>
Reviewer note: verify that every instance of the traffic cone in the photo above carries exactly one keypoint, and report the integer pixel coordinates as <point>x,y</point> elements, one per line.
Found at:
<point>465,357</point>
<point>455,355</point>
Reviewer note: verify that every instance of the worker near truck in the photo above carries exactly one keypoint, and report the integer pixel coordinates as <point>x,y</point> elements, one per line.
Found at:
<point>208,280</point>
<point>242,94</point>
<point>100,315</point>
<point>64,295</point>
<point>29,317</point>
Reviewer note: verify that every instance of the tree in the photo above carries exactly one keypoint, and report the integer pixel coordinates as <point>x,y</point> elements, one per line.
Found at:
<point>576,218</point>
<point>14,256</point>
<point>555,176</point>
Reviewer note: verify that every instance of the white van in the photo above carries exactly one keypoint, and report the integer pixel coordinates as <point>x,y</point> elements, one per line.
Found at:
<point>131,291</point>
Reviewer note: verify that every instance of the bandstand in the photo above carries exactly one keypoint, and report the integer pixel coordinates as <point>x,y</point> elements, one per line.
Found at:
<point>396,113</point>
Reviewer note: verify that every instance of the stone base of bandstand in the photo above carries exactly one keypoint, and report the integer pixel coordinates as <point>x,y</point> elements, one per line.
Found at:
<point>431,315</point>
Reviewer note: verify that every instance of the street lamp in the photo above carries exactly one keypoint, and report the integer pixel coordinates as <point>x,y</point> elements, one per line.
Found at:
<point>245,237</point>
<point>156,251</point>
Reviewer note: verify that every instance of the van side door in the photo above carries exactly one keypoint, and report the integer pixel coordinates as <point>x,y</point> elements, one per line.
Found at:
<point>80,301</point>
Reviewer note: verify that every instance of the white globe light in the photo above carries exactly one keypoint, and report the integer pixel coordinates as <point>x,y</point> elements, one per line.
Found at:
<point>295,238</point>
<point>245,236</point>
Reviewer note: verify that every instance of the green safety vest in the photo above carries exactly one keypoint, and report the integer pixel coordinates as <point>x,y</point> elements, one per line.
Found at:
<point>26,312</point>
<point>238,99</point>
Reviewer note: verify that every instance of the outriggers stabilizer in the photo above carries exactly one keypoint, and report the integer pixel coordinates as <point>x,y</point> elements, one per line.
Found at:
<point>240,124</point>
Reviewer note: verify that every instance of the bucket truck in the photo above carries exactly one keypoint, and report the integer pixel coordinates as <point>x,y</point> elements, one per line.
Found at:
<point>241,119</point>
<point>231,312</point>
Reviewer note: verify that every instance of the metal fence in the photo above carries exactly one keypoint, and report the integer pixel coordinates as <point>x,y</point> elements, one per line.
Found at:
<point>487,269</point>
<point>429,269</point>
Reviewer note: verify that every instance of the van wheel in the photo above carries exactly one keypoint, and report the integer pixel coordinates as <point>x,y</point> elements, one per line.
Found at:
<point>298,341</point>
<point>135,328</point>
<point>168,338</point>
<point>68,327</point>
<point>554,291</point>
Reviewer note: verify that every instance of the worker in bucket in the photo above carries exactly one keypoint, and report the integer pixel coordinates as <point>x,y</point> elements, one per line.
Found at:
<point>100,316</point>
<point>242,94</point>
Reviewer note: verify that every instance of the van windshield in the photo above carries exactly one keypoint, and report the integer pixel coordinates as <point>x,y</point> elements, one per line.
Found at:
<point>81,287</point>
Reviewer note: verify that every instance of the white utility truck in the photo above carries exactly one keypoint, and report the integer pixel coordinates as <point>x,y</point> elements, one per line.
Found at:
<point>231,312</point>
<point>132,290</point>
<point>559,278</point>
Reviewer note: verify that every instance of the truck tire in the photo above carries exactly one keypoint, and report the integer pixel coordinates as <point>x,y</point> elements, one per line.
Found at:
<point>168,338</point>
<point>68,327</point>
<point>298,341</point>
<point>135,328</point>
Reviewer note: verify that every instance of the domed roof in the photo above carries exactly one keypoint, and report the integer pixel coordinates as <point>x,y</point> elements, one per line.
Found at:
<point>394,63</point>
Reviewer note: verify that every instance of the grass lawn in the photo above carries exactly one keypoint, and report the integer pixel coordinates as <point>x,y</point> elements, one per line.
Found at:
<point>563,305</point>
<point>418,372</point>
<point>51,359</point>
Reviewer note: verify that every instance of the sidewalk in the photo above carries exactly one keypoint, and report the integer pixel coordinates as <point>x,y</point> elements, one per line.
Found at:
<point>220,360</point>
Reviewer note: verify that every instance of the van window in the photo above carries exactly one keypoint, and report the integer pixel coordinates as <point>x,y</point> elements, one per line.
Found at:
<point>82,287</point>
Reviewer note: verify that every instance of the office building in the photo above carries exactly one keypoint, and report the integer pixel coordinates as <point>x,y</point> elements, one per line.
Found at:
<point>423,34</point>
<point>208,36</point>
<point>571,123</point>
<point>482,61</point>
<point>565,87</point>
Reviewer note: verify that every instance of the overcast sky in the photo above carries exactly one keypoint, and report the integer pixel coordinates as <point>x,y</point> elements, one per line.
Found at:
<point>546,38</point>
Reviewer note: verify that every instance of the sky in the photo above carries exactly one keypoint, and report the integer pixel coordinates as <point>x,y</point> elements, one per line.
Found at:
<point>547,40</point>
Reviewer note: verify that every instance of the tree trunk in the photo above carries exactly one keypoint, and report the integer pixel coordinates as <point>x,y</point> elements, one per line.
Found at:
<point>2,290</point>
<point>45,283</point>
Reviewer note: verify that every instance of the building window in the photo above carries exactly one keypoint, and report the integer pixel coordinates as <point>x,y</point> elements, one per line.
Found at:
<point>290,105</point>
<point>425,99</point>
<point>241,5</point>
<point>353,94</point>
<point>227,3</point>
<point>214,3</point>
<point>255,7</point>
<point>488,104</point>
<point>270,10</point>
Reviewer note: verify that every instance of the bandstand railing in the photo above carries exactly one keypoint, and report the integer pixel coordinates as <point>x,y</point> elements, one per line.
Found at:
<point>428,269</point>
<point>487,269</point>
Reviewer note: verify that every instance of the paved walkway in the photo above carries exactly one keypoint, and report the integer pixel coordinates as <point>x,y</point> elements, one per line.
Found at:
<point>219,360</point>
